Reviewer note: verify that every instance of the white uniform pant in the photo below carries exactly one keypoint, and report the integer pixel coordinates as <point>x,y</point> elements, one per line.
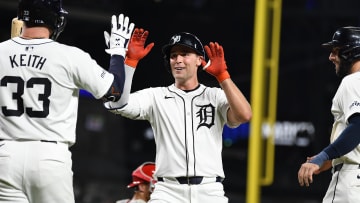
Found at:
<point>170,191</point>
<point>344,186</point>
<point>35,172</point>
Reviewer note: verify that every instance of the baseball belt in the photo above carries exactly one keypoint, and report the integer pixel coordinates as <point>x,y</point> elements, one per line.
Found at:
<point>194,180</point>
<point>338,167</point>
<point>49,141</point>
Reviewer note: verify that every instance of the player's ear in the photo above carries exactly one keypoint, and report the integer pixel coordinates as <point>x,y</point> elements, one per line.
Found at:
<point>142,187</point>
<point>199,60</point>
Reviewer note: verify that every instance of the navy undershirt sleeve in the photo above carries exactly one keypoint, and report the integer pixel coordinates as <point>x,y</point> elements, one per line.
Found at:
<point>347,141</point>
<point>117,68</point>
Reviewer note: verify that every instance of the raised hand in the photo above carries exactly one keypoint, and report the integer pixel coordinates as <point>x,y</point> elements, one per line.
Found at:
<point>137,50</point>
<point>216,65</point>
<point>117,42</point>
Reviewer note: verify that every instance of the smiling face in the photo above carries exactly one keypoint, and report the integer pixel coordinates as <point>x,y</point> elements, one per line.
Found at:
<point>342,67</point>
<point>184,63</point>
<point>334,58</point>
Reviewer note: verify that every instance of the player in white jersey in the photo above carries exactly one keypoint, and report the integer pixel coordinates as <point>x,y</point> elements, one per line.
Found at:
<point>142,183</point>
<point>343,154</point>
<point>40,81</point>
<point>187,117</point>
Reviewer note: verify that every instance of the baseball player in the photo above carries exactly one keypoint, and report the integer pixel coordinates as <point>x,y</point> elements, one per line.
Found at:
<point>142,183</point>
<point>343,154</point>
<point>40,81</point>
<point>187,117</point>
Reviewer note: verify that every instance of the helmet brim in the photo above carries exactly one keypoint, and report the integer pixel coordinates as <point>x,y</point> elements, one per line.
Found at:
<point>328,45</point>
<point>167,48</point>
<point>135,183</point>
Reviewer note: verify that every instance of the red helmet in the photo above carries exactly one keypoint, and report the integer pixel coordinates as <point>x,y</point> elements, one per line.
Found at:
<point>143,174</point>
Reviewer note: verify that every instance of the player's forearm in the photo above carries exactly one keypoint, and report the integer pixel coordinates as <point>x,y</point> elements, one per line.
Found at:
<point>347,140</point>
<point>345,143</point>
<point>116,88</point>
<point>129,73</point>
<point>240,109</point>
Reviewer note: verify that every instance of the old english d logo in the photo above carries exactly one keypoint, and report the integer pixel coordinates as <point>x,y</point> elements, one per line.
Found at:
<point>206,115</point>
<point>175,39</point>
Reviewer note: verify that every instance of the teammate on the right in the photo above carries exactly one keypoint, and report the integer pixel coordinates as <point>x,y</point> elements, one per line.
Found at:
<point>344,150</point>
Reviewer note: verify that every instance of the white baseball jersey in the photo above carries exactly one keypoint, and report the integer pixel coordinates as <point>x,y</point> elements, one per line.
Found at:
<point>346,102</point>
<point>39,90</point>
<point>344,185</point>
<point>187,128</point>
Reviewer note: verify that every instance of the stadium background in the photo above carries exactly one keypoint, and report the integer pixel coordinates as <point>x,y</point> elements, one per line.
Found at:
<point>109,147</point>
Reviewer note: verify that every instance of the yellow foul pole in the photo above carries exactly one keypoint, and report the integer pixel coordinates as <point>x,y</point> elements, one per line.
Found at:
<point>257,103</point>
<point>265,69</point>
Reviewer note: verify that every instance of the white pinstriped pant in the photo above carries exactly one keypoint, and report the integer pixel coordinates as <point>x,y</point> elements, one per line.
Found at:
<point>344,186</point>
<point>171,192</point>
<point>35,172</point>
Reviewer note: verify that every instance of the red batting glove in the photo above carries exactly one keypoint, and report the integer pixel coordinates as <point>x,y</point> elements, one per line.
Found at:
<point>216,65</point>
<point>136,49</point>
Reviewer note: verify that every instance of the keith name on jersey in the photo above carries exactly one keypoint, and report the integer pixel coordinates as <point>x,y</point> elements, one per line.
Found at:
<point>27,60</point>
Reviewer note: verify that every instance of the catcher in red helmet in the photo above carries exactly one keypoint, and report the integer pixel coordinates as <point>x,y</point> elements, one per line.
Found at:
<point>142,182</point>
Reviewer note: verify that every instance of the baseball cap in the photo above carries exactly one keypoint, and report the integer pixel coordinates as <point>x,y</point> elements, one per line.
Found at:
<point>143,174</point>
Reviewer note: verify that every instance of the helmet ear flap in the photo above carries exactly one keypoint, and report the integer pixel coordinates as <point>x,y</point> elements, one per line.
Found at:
<point>350,53</point>
<point>167,63</point>
<point>59,27</point>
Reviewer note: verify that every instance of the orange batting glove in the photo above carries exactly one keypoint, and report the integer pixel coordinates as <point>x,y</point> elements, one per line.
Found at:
<point>216,65</point>
<point>136,49</point>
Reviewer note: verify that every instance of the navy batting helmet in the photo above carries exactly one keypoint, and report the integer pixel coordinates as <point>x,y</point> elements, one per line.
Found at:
<point>185,39</point>
<point>47,13</point>
<point>347,39</point>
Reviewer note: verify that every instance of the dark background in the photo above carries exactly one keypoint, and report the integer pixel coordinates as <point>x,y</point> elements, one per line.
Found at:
<point>109,147</point>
